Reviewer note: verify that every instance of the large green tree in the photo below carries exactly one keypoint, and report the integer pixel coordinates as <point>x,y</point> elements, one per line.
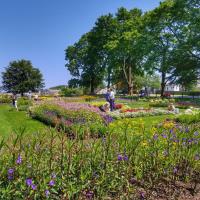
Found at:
<point>161,42</point>
<point>20,77</point>
<point>125,46</point>
<point>83,62</point>
<point>122,46</point>
<point>173,41</point>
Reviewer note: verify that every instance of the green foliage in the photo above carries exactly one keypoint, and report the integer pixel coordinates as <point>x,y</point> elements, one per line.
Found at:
<point>20,77</point>
<point>189,118</point>
<point>68,92</point>
<point>24,103</point>
<point>148,81</point>
<point>47,164</point>
<point>129,43</point>
<point>59,87</point>
<point>5,98</point>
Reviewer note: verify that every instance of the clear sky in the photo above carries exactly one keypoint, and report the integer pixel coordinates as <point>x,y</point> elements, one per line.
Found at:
<point>40,30</point>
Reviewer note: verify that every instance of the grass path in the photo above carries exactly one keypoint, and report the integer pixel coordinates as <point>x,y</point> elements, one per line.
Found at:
<point>11,120</point>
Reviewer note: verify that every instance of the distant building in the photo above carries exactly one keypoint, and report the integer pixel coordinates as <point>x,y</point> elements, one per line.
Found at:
<point>172,88</point>
<point>49,92</point>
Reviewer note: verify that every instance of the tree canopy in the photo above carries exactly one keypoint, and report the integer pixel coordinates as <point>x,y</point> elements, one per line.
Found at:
<point>122,46</point>
<point>20,77</point>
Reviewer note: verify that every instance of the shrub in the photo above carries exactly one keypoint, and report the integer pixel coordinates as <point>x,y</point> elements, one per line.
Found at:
<point>68,92</point>
<point>5,99</point>
<point>24,103</point>
<point>189,118</point>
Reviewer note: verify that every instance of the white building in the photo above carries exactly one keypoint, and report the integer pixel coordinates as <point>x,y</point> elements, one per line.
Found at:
<point>172,88</point>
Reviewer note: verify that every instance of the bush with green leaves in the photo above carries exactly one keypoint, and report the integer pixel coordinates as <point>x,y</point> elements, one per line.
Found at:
<point>5,99</point>
<point>68,92</point>
<point>24,103</point>
<point>189,118</point>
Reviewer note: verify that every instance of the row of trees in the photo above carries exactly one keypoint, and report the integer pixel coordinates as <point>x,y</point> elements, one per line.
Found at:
<point>121,47</point>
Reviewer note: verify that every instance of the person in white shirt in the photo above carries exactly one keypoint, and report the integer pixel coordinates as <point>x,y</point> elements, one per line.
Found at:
<point>112,100</point>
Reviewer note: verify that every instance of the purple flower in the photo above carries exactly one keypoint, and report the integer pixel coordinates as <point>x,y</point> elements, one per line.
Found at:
<point>155,137</point>
<point>51,183</point>
<point>89,194</point>
<point>11,171</point>
<point>53,175</point>
<point>190,141</point>
<point>10,177</point>
<point>19,160</point>
<point>34,187</point>
<point>175,170</point>
<point>125,157</point>
<point>119,157</point>
<point>142,195</point>
<point>187,130</point>
<point>133,181</point>
<point>11,174</point>
<point>164,135</point>
<point>47,193</point>
<point>29,181</point>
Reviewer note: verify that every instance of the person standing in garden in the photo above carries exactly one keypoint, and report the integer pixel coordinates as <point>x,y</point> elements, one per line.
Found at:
<point>112,100</point>
<point>14,101</point>
<point>107,95</point>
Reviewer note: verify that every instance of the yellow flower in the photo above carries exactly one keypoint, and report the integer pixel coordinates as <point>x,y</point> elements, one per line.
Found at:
<point>144,144</point>
<point>168,125</point>
<point>153,129</point>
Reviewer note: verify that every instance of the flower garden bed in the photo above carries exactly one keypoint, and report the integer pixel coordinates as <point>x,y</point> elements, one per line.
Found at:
<point>140,112</point>
<point>127,163</point>
<point>71,116</point>
<point>165,103</point>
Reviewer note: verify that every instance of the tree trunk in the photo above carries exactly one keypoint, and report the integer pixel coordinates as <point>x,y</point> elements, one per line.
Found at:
<point>163,84</point>
<point>109,78</point>
<point>92,86</point>
<point>130,81</point>
<point>128,77</point>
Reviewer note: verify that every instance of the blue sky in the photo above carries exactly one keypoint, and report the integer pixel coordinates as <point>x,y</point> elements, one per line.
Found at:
<point>40,30</point>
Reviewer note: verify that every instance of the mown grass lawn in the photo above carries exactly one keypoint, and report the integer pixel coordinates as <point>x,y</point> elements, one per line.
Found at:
<point>12,120</point>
